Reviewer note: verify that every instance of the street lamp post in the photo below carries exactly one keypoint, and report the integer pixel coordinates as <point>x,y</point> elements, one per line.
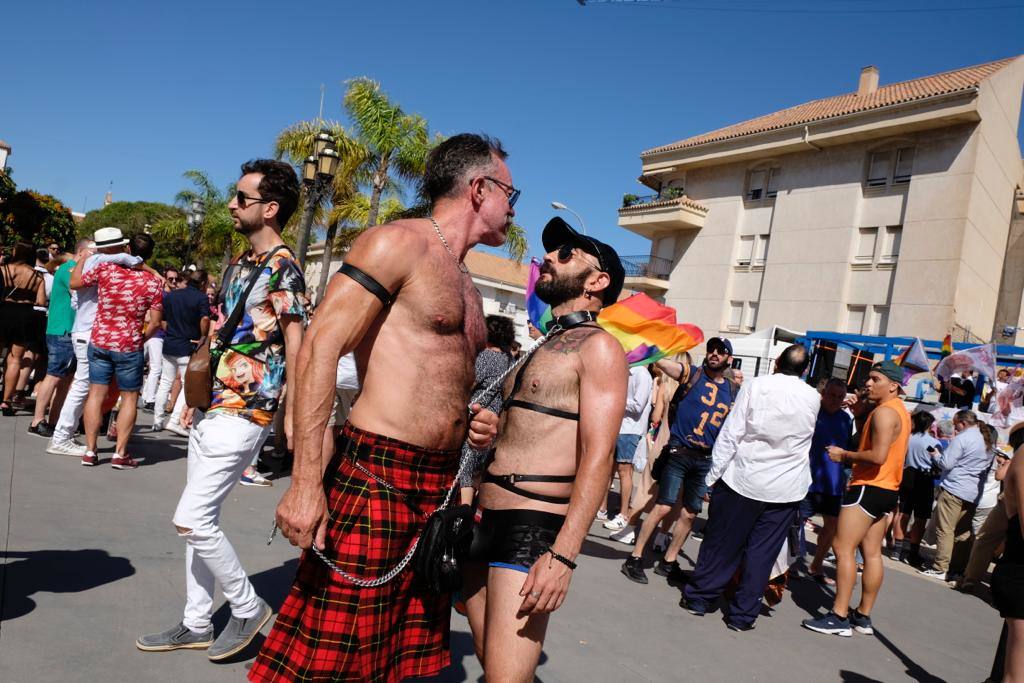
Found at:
<point>318,172</point>
<point>195,218</point>
<point>562,207</point>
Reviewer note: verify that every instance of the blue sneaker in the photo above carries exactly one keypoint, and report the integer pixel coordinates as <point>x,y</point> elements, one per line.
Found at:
<point>861,623</point>
<point>830,624</point>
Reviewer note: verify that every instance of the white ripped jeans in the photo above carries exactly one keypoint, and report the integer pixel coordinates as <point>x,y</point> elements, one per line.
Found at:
<point>219,448</point>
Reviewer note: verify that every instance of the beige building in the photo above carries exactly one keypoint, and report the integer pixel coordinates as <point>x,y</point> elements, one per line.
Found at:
<point>500,281</point>
<point>894,209</point>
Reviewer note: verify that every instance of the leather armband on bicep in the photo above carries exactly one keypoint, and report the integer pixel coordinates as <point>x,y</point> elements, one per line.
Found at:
<point>368,283</point>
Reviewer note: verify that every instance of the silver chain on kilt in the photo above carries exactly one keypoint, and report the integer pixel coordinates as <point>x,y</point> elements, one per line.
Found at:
<point>398,568</point>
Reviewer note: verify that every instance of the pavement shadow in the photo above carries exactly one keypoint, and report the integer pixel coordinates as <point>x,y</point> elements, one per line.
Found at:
<point>600,550</point>
<point>914,670</point>
<point>854,677</point>
<point>155,448</point>
<point>461,644</point>
<point>810,596</point>
<point>54,571</point>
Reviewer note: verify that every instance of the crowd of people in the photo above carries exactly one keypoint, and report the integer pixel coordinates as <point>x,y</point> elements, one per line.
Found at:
<point>413,419</point>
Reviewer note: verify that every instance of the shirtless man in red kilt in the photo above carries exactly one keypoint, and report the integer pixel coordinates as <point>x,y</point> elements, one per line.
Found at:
<point>404,302</point>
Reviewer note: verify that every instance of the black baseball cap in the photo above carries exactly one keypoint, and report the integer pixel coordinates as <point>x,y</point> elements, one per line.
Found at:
<point>719,341</point>
<point>557,233</point>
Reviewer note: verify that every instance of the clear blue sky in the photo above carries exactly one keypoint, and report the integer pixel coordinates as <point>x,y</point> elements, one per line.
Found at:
<point>138,92</point>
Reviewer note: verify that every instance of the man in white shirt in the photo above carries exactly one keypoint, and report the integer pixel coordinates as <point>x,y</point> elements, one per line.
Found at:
<point>632,429</point>
<point>761,466</point>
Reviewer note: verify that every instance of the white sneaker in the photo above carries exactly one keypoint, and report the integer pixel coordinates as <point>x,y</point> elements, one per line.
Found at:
<point>176,428</point>
<point>616,523</point>
<point>70,447</point>
<point>601,516</point>
<point>661,541</point>
<point>625,535</point>
<point>933,574</point>
<point>158,426</point>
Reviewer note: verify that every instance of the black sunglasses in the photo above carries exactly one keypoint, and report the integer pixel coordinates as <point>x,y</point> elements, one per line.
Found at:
<point>243,199</point>
<point>565,255</point>
<point>510,192</point>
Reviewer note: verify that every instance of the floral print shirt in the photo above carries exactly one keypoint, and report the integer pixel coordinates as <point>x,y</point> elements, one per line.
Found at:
<point>250,374</point>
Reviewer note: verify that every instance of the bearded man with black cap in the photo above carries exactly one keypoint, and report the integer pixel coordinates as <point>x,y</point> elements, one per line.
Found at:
<point>552,461</point>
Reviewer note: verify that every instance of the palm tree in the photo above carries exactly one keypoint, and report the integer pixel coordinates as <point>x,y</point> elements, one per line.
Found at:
<point>397,143</point>
<point>216,236</point>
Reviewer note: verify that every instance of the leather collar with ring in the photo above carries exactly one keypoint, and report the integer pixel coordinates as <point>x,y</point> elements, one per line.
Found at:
<point>574,319</point>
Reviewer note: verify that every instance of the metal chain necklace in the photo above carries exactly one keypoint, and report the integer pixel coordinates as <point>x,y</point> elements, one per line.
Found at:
<point>460,264</point>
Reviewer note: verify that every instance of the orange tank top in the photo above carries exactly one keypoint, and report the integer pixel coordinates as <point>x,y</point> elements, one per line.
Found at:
<point>889,474</point>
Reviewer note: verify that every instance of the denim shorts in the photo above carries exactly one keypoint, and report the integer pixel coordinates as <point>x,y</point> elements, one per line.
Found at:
<point>685,471</point>
<point>625,447</point>
<point>127,367</point>
<point>60,355</point>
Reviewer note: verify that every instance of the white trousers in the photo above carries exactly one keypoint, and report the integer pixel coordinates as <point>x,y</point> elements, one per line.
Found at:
<point>74,403</point>
<point>173,366</point>
<point>219,448</point>
<point>154,356</point>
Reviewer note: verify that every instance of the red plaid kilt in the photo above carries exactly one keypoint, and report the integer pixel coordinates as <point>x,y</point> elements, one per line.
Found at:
<point>330,630</point>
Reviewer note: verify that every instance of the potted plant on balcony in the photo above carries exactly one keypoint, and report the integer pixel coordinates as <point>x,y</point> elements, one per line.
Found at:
<point>629,200</point>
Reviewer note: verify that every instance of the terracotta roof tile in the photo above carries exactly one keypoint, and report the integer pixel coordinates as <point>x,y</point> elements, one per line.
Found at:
<point>841,105</point>
<point>485,265</point>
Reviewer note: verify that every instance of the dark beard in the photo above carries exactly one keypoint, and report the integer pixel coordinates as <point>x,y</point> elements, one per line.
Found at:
<point>244,229</point>
<point>558,290</point>
<point>716,368</point>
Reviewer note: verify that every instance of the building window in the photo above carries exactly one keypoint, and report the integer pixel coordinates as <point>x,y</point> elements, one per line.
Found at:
<point>762,183</point>
<point>746,251</point>
<point>904,165</point>
<point>866,239</point>
<point>735,316</point>
<point>750,324</point>
<point>760,250</point>
<point>891,244</point>
<point>890,167</point>
<point>855,319</point>
<point>879,319</point>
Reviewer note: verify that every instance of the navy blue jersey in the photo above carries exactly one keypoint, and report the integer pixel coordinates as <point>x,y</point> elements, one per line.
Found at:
<point>701,413</point>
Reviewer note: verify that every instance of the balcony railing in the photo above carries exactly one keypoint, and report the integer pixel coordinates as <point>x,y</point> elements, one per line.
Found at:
<point>668,193</point>
<point>647,266</point>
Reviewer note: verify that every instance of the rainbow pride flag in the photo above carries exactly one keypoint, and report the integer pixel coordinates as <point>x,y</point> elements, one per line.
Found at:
<point>947,346</point>
<point>647,330</point>
<point>537,311</point>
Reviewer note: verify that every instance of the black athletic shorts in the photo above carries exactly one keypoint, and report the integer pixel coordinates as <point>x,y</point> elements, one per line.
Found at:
<point>917,493</point>
<point>514,539</point>
<point>876,502</point>
<point>1008,590</point>
<point>823,504</point>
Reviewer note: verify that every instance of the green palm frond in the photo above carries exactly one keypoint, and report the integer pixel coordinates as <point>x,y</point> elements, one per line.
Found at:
<point>516,244</point>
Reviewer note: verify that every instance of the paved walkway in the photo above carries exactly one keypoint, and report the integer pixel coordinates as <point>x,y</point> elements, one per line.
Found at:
<point>91,561</point>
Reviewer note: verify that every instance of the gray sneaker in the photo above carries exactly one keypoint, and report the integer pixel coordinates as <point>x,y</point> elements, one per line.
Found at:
<point>237,635</point>
<point>177,637</point>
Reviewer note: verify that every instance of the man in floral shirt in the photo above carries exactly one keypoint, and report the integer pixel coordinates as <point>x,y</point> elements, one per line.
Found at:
<point>125,296</point>
<point>249,379</point>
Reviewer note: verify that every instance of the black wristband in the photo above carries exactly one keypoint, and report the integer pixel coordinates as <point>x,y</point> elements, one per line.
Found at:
<point>564,560</point>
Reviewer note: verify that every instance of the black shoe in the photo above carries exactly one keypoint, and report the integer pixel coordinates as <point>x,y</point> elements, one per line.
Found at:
<point>634,570</point>
<point>663,567</point>
<point>914,559</point>
<point>42,429</point>
<point>739,628</point>
<point>697,535</point>
<point>693,608</point>
<point>148,407</point>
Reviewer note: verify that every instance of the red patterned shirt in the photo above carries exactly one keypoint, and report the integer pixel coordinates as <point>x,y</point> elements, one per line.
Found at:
<point>125,296</point>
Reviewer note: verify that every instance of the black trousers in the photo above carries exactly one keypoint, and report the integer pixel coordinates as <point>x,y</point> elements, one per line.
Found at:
<point>740,531</point>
